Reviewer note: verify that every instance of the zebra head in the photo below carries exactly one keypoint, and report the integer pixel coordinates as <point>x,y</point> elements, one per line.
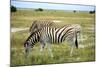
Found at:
<point>28,46</point>
<point>31,41</point>
<point>33,27</point>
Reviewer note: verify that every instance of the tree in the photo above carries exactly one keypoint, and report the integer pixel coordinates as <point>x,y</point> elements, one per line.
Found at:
<point>13,8</point>
<point>92,12</point>
<point>39,9</point>
<point>74,11</point>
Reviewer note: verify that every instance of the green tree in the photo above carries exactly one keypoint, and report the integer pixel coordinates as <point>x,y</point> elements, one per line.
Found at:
<point>74,11</point>
<point>39,9</point>
<point>92,12</point>
<point>13,8</point>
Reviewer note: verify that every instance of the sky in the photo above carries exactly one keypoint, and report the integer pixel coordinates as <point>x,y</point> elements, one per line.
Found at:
<point>20,4</point>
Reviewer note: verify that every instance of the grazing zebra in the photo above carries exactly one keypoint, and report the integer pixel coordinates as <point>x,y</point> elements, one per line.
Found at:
<point>38,24</point>
<point>50,35</point>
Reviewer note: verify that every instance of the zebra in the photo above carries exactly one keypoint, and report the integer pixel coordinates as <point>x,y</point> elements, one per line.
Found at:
<point>38,24</point>
<point>49,35</point>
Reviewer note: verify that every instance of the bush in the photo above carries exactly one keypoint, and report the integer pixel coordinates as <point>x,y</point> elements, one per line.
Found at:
<point>13,8</point>
<point>39,9</point>
<point>92,12</point>
<point>74,11</point>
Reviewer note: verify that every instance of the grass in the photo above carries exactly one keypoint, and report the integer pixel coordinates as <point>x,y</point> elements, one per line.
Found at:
<point>23,19</point>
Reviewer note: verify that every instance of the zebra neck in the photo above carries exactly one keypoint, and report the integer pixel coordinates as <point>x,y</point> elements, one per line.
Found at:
<point>34,38</point>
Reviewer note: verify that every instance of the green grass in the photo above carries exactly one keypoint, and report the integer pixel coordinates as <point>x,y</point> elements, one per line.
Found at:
<point>23,19</point>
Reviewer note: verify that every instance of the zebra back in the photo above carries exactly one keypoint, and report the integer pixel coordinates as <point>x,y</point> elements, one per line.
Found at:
<point>58,35</point>
<point>38,24</point>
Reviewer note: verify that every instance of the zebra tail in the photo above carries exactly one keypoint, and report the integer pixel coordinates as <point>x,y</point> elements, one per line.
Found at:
<point>76,42</point>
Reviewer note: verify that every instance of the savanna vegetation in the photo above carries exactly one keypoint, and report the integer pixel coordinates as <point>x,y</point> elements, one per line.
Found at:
<point>24,18</point>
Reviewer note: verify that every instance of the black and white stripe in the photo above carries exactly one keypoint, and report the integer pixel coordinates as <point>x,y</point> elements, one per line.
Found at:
<point>54,35</point>
<point>38,24</point>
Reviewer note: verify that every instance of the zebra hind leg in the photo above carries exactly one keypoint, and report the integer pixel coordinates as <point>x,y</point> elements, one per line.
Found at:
<point>71,51</point>
<point>50,50</point>
<point>72,46</point>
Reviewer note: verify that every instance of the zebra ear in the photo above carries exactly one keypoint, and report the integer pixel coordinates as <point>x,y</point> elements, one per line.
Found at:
<point>26,49</point>
<point>24,44</point>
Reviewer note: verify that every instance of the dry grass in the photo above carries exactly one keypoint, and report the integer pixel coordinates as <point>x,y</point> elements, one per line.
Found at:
<point>23,19</point>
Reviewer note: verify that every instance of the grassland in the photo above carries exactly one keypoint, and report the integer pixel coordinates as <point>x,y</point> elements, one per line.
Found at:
<point>24,18</point>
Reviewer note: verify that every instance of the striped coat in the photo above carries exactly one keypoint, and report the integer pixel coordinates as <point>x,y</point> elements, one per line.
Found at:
<point>54,35</point>
<point>38,24</point>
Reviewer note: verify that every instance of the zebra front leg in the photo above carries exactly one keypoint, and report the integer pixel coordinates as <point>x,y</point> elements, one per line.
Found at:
<point>50,50</point>
<point>42,45</point>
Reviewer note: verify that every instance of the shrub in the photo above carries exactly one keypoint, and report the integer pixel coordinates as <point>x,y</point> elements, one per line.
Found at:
<point>74,11</point>
<point>92,12</point>
<point>13,8</point>
<point>39,9</point>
